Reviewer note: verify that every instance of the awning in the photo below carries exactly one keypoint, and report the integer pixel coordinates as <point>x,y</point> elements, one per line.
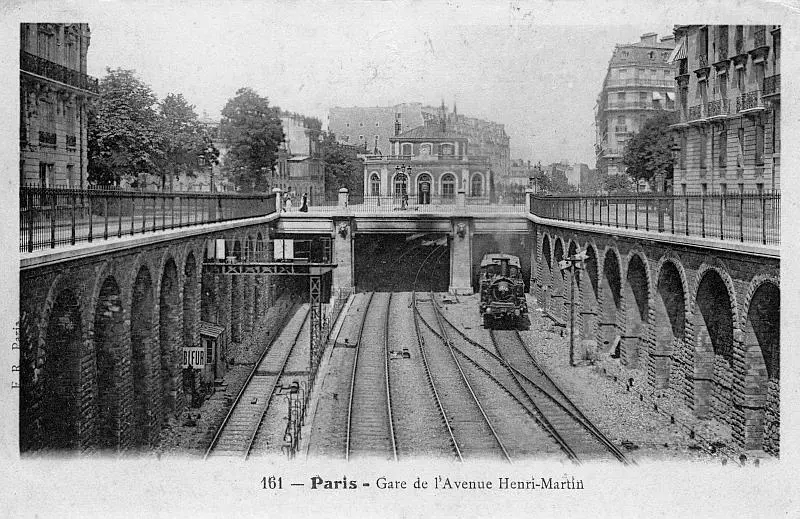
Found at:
<point>678,52</point>
<point>656,96</point>
<point>670,96</point>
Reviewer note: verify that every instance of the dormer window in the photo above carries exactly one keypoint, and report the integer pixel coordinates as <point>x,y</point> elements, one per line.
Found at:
<point>447,149</point>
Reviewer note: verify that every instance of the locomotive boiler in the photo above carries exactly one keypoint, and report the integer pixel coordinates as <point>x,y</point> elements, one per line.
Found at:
<point>502,289</point>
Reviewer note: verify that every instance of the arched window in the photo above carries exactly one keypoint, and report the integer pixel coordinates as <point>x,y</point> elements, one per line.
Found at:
<point>406,149</point>
<point>448,185</point>
<point>477,185</point>
<point>375,185</point>
<point>400,184</point>
<point>424,189</point>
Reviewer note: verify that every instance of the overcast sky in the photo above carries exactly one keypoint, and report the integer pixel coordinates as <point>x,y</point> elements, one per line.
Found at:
<point>538,71</point>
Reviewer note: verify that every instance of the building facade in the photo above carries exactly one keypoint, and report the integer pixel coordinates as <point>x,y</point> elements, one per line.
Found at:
<point>728,134</point>
<point>54,95</point>
<point>430,164</point>
<point>638,85</point>
<point>372,129</point>
<point>300,168</point>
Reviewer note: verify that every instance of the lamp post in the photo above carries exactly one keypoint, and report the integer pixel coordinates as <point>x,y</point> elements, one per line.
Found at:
<point>406,171</point>
<point>571,263</point>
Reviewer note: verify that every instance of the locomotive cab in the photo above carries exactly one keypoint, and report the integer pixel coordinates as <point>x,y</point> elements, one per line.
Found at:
<point>502,289</point>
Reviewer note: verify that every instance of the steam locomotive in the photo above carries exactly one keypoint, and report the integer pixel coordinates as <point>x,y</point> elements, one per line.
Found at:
<point>502,289</point>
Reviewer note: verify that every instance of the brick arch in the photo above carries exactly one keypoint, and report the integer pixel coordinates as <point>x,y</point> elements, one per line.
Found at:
<point>114,384</point>
<point>170,321</point>
<point>610,298</point>
<point>236,297</point>
<point>546,265</point>
<point>714,323</point>
<point>248,306</point>
<point>636,295</point>
<point>559,298</point>
<point>588,286</point>
<point>670,304</point>
<point>144,354</point>
<point>761,377</point>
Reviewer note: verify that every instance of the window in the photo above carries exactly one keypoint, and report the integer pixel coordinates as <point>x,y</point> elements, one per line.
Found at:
<point>477,185</point>
<point>682,157</point>
<point>406,148</point>
<point>740,80</point>
<point>400,184</point>
<point>760,144</point>
<point>741,188</point>
<point>683,189</point>
<point>758,69</point>
<point>346,138</point>
<point>704,188</point>
<point>723,148</point>
<point>448,186</point>
<point>653,73</point>
<point>643,98</point>
<point>667,73</point>
<point>623,73</point>
<point>71,180</point>
<point>425,149</point>
<point>447,149</point>
<point>621,120</point>
<point>375,185</point>
<point>621,97</point>
<point>702,89</point>
<point>703,146</point>
<point>740,151</point>
<point>724,188</point>
<point>361,137</point>
<point>722,85</point>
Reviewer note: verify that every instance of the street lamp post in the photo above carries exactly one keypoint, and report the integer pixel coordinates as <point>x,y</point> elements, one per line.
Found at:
<point>571,263</point>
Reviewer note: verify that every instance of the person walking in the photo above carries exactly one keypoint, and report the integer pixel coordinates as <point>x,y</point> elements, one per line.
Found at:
<point>287,201</point>
<point>304,206</point>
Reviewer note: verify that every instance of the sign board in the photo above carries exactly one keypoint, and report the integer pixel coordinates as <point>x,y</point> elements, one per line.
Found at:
<point>194,357</point>
<point>284,249</point>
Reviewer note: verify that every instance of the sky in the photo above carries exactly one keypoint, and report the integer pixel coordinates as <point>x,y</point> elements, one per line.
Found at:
<point>537,68</point>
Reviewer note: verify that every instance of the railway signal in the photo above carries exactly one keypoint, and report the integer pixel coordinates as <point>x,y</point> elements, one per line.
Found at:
<point>571,263</point>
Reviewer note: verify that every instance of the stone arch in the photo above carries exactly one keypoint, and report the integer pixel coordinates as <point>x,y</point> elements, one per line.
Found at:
<point>208,291</point>
<point>258,296</point>
<point>610,293</point>
<point>761,390</point>
<point>191,298</point>
<point>669,307</point>
<point>170,321</point>
<point>545,276</point>
<point>113,377</point>
<point>142,342</point>
<point>57,381</point>
<point>236,298</point>
<point>559,300</point>
<point>714,315</point>
<point>636,296</point>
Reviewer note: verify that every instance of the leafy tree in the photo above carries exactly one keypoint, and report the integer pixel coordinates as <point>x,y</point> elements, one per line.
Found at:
<point>343,168</point>
<point>252,132</point>
<point>648,152</point>
<point>125,134</point>
<point>185,144</point>
<point>618,184</point>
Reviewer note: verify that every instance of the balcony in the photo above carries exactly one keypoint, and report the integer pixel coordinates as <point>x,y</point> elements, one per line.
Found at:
<point>696,113</point>
<point>639,82</point>
<point>621,129</point>
<point>633,105</point>
<point>718,108</point>
<point>772,86</point>
<point>41,67</point>
<point>749,102</point>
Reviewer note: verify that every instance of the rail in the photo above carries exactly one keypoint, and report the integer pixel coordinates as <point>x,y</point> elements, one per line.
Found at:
<point>423,203</point>
<point>741,217</point>
<point>52,217</point>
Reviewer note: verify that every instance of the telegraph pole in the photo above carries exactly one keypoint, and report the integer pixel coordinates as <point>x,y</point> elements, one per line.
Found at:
<point>572,263</point>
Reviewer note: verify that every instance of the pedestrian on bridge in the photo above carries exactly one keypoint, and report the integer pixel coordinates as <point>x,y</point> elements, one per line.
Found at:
<point>304,206</point>
<point>287,201</point>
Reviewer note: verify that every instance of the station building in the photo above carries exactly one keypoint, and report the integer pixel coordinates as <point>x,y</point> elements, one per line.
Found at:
<point>429,163</point>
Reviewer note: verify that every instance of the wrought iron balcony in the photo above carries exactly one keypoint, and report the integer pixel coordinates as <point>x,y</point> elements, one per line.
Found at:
<point>749,101</point>
<point>772,85</point>
<point>42,67</point>
<point>696,112</point>
<point>718,108</point>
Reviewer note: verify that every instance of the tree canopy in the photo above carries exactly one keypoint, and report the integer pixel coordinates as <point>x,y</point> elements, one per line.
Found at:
<point>125,136</point>
<point>252,132</point>
<point>648,153</point>
<point>186,144</point>
<point>618,184</point>
<point>342,167</point>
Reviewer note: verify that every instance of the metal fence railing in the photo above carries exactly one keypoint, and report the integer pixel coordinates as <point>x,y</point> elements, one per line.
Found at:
<point>54,217</point>
<point>414,202</point>
<point>743,217</point>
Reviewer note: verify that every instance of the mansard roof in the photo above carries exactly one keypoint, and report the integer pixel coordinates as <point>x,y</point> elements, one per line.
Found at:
<point>428,132</point>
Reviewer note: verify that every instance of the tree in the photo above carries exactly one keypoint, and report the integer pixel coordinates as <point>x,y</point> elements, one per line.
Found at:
<point>125,135</point>
<point>343,168</point>
<point>185,145</point>
<point>252,132</point>
<point>648,153</point>
<point>618,184</point>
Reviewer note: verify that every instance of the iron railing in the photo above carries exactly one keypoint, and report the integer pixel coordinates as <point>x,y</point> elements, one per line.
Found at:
<point>748,217</point>
<point>749,101</point>
<point>46,68</point>
<point>417,203</point>
<point>53,217</point>
<point>635,82</point>
<point>720,107</point>
<point>696,112</point>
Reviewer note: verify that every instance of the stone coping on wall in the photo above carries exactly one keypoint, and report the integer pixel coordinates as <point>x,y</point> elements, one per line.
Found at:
<point>672,239</point>
<point>82,250</point>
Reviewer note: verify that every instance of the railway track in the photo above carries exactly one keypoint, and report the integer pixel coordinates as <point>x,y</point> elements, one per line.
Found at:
<point>511,363</point>
<point>470,429</point>
<point>370,430</point>
<point>238,430</point>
